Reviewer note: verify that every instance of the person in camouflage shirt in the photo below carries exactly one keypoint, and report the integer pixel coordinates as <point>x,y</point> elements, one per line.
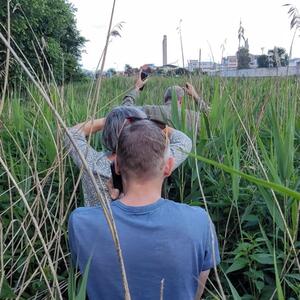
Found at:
<point>164,112</point>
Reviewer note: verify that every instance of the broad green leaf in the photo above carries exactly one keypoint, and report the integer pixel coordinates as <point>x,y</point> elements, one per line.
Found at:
<point>234,292</point>
<point>271,205</point>
<point>259,284</point>
<point>6,291</point>
<point>263,258</point>
<point>83,284</point>
<point>238,264</point>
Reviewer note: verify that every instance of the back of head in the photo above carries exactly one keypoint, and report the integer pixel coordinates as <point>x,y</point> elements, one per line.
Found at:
<point>115,121</point>
<point>173,90</point>
<point>142,150</point>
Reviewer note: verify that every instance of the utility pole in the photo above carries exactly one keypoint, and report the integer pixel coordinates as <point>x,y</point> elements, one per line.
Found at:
<point>180,36</point>
<point>165,51</point>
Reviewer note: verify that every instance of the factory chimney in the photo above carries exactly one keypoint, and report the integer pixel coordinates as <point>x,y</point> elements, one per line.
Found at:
<point>165,51</point>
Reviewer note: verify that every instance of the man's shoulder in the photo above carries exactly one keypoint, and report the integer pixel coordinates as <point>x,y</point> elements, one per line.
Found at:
<point>193,212</point>
<point>151,110</point>
<point>86,215</point>
<point>192,221</point>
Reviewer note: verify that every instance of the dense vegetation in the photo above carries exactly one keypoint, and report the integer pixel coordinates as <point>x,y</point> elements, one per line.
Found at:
<point>45,33</point>
<point>253,128</point>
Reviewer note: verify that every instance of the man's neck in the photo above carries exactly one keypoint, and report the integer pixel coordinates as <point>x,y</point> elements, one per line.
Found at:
<point>140,194</point>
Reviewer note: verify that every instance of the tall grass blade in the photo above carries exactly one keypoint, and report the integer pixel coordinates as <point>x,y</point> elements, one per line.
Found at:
<point>83,284</point>
<point>278,284</point>
<point>261,182</point>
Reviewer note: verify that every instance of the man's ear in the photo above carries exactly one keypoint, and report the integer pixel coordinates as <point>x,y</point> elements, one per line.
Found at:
<point>117,168</point>
<point>169,166</point>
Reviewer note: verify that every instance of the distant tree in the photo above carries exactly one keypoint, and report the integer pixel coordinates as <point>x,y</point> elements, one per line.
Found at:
<point>263,61</point>
<point>128,70</point>
<point>111,72</point>
<point>278,57</point>
<point>181,71</point>
<point>159,72</point>
<point>44,26</point>
<point>243,58</point>
<point>135,71</point>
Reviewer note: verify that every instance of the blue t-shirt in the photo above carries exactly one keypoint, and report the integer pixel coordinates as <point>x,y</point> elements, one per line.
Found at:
<point>164,240</point>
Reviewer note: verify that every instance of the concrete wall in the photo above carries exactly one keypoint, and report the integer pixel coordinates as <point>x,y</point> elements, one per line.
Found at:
<point>260,72</point>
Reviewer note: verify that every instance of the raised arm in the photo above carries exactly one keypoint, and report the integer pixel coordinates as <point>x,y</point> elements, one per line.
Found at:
<point>191,91</point>
<point>79,133</point>
<point>90,127</point>
<point>132,96</point>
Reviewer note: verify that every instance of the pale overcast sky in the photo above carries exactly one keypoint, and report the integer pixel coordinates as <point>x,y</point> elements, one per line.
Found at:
<point>205,24</point>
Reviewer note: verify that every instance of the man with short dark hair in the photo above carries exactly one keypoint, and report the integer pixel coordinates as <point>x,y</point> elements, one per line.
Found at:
<point>100,162</point>
<point>160,239</point>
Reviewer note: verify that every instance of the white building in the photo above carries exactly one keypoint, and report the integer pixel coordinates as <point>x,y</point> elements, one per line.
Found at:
<point>229,62</point>
<point>253,61</point>
<point>193,64</point>
<point>205,66</point>
<point>294,62</point>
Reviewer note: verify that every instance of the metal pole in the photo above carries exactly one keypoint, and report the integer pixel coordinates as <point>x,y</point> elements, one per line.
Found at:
<point>199,58</point>
<point>181,44</point>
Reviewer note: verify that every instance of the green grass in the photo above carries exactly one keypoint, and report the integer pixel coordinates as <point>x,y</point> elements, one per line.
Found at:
<point>244,168</point>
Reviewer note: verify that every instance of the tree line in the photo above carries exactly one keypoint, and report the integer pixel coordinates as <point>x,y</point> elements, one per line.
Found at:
<point>276,57</point>
<point>44,33</point>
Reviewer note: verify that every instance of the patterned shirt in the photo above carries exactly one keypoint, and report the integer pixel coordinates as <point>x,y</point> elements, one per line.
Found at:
<point>99,164</point>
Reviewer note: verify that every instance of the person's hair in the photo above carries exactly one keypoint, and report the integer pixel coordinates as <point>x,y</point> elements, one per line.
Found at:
<point>114,123</point>
<point>173,90</point>
<point>142,150</point>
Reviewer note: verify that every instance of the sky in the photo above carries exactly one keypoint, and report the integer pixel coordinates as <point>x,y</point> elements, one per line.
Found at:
<point>205,25</point>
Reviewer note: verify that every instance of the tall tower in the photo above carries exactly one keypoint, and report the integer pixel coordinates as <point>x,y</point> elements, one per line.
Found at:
<point>165,50</point>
